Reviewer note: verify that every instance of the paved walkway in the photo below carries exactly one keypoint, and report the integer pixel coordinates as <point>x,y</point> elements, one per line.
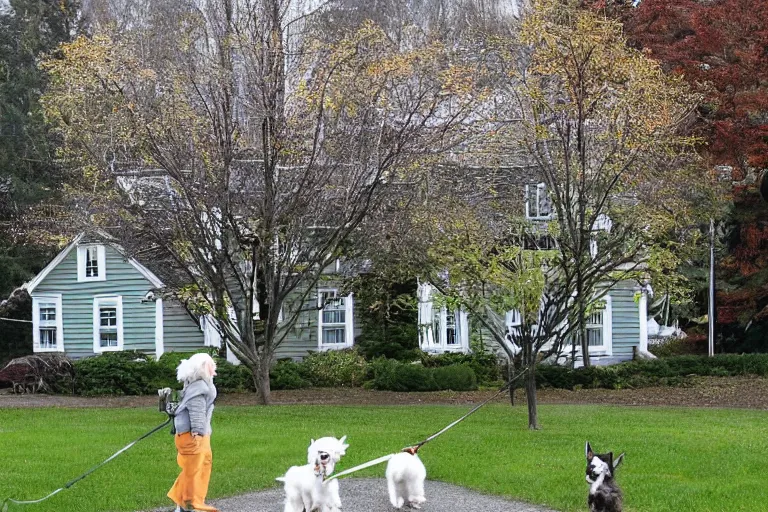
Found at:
<point>370,495</point>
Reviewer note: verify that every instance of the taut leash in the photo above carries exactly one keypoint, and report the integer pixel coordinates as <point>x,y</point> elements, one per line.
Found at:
<point>415,448</point>
<point>94,468</point>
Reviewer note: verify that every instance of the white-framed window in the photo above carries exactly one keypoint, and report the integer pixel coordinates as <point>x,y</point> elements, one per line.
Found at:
<point>47,323</point>
<point>91,263</point>
<point>538,204</point>
<point>335,326</point>
<point>602,223</point>
<point>107,324</point>
<point>450,328</point>
<point>600,328</point>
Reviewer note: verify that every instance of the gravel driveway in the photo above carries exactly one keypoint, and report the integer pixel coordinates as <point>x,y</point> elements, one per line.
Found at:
<point>370,495</point>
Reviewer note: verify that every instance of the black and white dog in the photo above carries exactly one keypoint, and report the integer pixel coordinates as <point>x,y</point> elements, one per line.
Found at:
<point>604,494</point>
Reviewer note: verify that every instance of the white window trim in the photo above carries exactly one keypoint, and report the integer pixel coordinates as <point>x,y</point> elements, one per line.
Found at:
<point>349,324</point>
<point>528,214</point>
<point>159,335</point>
<point>462,331</point>
<point>98,302</point>
<point>425,316</point>
<point>101,261</point>
<point>36,300</point>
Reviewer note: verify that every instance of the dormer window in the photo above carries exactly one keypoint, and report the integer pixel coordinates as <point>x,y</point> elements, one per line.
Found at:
<point>91,264</point>
<point>538,205</point>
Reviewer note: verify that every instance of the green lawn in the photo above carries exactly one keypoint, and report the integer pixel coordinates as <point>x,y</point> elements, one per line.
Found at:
<point>677,459</point>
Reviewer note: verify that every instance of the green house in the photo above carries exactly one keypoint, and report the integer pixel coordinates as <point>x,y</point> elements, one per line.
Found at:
<point>93,298</point>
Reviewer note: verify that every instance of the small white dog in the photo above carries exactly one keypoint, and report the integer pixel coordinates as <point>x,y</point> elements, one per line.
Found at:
<point>405,479</point>
<point>335,447</point>
<point>304,487</point>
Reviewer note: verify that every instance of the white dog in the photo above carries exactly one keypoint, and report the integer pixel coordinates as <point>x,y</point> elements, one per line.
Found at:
<point>335,447</point>
<point>405,479</point>
<point>304,487</point>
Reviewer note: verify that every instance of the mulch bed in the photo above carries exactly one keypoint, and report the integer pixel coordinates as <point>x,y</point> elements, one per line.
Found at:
<point>737,392</point>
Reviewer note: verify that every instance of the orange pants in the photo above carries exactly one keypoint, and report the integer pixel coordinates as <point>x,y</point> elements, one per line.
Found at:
<point>195,459</point>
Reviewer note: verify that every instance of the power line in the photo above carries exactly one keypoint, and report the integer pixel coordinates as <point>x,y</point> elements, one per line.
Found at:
<point>15,320</point>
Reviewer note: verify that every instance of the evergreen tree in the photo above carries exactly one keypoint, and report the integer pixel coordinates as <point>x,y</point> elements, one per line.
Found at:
<point>29,30</point>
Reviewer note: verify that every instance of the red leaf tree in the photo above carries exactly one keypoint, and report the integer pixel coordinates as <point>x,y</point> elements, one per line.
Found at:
<point>721,47</point>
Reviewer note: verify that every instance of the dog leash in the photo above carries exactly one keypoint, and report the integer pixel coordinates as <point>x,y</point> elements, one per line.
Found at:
<point>415,448</point>
<point>69,484</point>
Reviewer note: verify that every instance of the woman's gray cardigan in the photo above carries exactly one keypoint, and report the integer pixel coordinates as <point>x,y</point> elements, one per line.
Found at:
<point>196,407</point>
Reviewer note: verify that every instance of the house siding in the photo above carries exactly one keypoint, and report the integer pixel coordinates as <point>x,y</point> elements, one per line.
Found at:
<point>122,279</point>
<point>626,324</point>
<point>625,328</point>
<point>302,338</point>
<point>181,333</point>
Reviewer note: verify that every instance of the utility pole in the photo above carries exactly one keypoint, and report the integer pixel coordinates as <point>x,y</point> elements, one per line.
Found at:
<point>711,315</point>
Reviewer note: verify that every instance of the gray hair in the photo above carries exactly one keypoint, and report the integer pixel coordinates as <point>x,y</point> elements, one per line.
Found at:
<point>194,368</point>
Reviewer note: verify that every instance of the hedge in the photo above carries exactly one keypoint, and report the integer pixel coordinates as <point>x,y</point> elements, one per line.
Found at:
<point>485,365</point>
<point>393,375</point>
<point>671,371</point>
<point>134,373</point>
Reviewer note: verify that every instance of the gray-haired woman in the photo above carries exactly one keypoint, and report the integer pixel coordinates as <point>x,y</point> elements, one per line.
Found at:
<point>193,433</point>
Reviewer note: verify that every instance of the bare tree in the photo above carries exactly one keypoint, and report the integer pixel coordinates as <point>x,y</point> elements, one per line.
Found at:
<point>243,162</point>
<point>604,128</point>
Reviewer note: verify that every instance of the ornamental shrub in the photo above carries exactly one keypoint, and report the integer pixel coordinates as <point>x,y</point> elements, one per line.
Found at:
<point>485,365</point>
<point>334,368</point>
<point>287,374</point>
<point>120,373</point>
<point>457,377</point>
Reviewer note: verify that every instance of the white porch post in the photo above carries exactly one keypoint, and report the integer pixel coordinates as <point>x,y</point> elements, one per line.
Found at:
<point>159,342</point>
<point>642,307</point>
<point>462,323</point>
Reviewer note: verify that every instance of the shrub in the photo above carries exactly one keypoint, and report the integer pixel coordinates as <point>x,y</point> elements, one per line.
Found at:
<point>692,345</point>
<point>671,371</point>
<point>232,378</point>
<point>391,375</point>
<point>396,341</point>
<point>286,374</point>
<point>135,373</point>
<point>121,373</point>
<point>457,377</point>
<point>334,368</point>
<point>51,373</point>
<point>485,365</point>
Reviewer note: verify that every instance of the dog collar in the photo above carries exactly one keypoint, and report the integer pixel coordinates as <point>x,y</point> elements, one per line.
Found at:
<point>411,449</point>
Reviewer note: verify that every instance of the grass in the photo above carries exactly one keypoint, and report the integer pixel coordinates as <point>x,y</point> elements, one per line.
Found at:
<point>677,459</point>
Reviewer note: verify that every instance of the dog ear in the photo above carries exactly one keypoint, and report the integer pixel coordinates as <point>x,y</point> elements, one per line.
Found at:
<point>610,461</point>
<point>618,460</point>
<point>311,442</point>
<point>343,438</point>
<point>588,453</point>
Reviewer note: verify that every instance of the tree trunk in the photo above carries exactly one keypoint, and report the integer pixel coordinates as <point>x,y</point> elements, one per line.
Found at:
<point>530,395</point>
<point>510,379</point>
<point>581,308</point>
<point>261,383</point>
